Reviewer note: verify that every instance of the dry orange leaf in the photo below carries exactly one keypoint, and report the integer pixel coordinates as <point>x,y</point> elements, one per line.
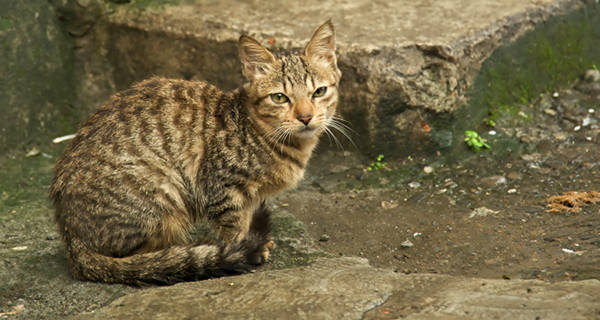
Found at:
<point>425,126</point>
<point>571,201</point>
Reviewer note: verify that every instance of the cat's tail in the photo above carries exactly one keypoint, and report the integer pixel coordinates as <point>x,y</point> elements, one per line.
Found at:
<point>170,265</point>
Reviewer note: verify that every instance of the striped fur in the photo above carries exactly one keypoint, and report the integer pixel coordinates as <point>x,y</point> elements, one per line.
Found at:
<point>166,155</point>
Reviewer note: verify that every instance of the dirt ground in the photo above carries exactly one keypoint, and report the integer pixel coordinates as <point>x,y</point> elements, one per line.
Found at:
<point>477,217</point>
<point>482,217</point>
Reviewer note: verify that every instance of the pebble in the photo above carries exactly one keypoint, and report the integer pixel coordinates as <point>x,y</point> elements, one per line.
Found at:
<point>493,181</point>
<point>52,236</point>
<point>407,244</point>
<point>560,136</point>
<point>389,204</point>
<point>428,169</point>
<point>511,191</point>
<point>513,175</point>
<point>592,75</point>
<point>482,212</point>
<point>532,157</point>
<point>550,112</point>
<point>35,151</point>
<point>324,238</point>
<point>414,184</point>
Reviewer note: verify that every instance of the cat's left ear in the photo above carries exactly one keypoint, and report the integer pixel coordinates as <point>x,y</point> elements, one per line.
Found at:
<point>256,59</point>
<point>321,47</point>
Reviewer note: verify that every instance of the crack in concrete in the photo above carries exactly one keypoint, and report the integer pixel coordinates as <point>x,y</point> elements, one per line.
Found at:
<point>375,305</point>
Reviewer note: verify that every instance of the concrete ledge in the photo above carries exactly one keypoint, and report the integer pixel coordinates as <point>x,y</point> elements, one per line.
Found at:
<point>428,52</point>
<point>402,63</point>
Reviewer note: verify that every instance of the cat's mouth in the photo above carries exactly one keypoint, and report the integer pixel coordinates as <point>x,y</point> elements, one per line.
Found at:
<point>306,131</point>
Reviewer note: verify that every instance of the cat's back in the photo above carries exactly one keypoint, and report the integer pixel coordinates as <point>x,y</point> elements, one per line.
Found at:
<point>150,129</point>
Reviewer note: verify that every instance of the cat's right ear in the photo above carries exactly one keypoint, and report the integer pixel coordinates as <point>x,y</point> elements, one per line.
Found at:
<point>256,59</point>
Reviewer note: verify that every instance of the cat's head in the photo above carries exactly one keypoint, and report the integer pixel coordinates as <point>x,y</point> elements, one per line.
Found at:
<point>295,96</point>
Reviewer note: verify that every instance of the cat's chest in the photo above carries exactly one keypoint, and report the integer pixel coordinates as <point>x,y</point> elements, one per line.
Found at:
<point>280,177</point>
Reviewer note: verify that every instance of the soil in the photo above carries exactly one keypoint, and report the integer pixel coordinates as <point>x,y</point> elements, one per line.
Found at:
<point>480,216</point>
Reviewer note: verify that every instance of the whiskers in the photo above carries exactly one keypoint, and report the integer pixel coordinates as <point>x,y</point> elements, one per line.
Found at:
<point>342,126</point>
<point>280,135</point>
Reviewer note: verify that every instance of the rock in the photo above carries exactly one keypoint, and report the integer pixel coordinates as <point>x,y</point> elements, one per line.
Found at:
<point>482,212</point>
<point>560,136</point>
<point>52,236</point>
<point>389,204</point>
<point>33,152</point>
<point>414,184</point>
<point>513,175</point>
<point>349,288</point>
<point>532,157</point>
<point>493,181</point>
<point>407,244</point>
<point>324,238</point>
<point>592,75</point>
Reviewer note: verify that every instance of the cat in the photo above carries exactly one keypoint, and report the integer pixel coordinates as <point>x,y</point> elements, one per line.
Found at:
<point>166,155</point>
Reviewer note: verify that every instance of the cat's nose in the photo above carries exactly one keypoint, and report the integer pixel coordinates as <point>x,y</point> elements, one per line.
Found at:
<point>305,118</point>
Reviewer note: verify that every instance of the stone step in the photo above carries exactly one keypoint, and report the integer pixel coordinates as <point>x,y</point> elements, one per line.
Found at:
<point>408,67</point>
<point>348,288</point>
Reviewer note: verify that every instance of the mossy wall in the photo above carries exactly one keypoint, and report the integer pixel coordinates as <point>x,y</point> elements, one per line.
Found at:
<point>37,87</point>
<point>553,55</point>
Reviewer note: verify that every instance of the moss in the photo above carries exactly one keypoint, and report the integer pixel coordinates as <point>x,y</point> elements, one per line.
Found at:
<point>5,24</point>
<point>294,246</point>
<point>550,57</point>
<point>38,68</point>
<point>153,4</point>
<point>24,181</point>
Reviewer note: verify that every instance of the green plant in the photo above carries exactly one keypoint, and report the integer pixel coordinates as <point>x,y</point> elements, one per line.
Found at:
<point>377,164</point>
<point>475,141</point>
<point>490,122</point>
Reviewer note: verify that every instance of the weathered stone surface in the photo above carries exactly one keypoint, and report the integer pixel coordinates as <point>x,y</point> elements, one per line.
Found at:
<point>404,64</point>
<point>37,83</point>
<point>348,288</point>
<point>426,51</point>
<point>401,62</point>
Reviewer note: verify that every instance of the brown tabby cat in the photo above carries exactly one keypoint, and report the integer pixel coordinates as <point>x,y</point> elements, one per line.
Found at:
<point>166,155</point>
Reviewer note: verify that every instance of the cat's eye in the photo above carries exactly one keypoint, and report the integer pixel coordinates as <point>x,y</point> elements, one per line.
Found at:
<point>320,92</point>
<point>279,98</point>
